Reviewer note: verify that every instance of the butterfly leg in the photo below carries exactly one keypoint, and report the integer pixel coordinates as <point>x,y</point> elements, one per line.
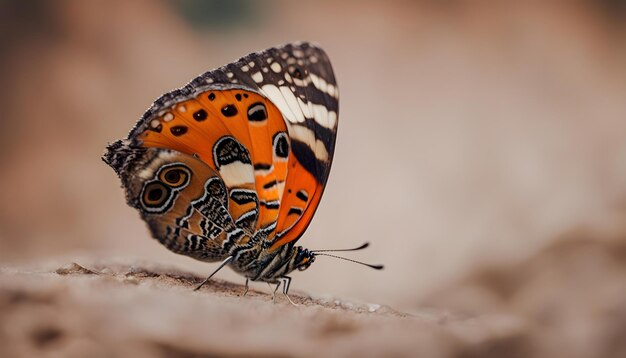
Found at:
<point>287,280</point>
<point>274,293</point>
<point>228,259</point>
<point>245,291</point>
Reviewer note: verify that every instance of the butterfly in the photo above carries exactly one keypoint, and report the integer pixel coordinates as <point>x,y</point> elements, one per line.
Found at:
<point>232,166</point>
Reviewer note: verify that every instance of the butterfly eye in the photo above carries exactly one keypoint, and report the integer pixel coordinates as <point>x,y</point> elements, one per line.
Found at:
<point>155,194</point>
<point>174,177</point>
<point>304,259</point>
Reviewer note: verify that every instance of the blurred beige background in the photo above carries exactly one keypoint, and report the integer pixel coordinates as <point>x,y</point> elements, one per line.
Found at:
<point>470,132</point>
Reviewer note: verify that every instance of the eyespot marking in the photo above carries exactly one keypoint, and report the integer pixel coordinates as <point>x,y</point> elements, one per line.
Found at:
<point>156,197</point>
<point>175,176</point>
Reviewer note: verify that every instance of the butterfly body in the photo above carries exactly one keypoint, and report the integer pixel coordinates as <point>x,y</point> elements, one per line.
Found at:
<point>232,166</point>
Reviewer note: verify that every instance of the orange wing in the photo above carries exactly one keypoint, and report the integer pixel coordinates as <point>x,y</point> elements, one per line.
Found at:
<point>267,125</point>
<point>197,125</point>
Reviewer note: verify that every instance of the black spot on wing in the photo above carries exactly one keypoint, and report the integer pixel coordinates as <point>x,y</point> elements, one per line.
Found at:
<point>302,195</point>
<point>228,150</point>
<point>243,196</point>
<point>257,112</point>
<point>307,159</point>
<point>269,185</point>
<point>262,166</point>
<point>178,130</point>
<point>229,110</point>
<point>281,145</point>
<point>274,204</point>
<point>200,115</point>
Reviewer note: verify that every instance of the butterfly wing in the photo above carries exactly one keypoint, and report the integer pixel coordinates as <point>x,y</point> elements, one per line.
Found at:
<point>231,130</point>
<point>183,200</point>
<point>266,126</point>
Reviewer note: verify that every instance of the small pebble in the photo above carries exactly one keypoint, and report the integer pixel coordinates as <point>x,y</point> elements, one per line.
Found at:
<point>130,280</point>
<point>74,268</point>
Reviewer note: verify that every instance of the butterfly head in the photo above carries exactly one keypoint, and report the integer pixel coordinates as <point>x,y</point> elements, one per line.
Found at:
<point>303,258</point>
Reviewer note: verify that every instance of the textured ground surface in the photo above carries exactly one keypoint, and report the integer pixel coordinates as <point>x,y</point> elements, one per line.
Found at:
<point>568,300</point>
<point>122,310</point>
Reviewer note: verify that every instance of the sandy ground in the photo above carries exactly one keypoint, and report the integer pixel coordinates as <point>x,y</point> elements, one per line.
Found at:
<point>566,301</point>
<point>123,310</point>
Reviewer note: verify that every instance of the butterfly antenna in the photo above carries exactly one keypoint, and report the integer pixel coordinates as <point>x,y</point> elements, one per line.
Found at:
<point>354,249</point>
<point>375,267</point>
